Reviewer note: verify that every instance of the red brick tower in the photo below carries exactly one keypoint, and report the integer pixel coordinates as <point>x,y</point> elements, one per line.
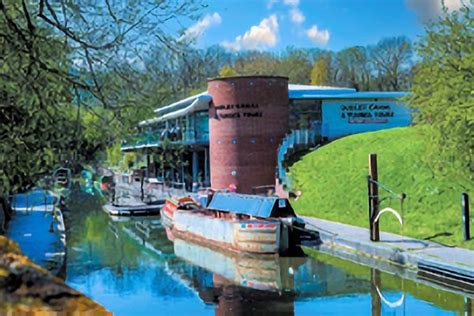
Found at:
<point>247,120</point>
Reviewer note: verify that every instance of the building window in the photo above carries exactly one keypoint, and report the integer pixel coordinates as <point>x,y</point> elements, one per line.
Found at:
<point>303,112</point>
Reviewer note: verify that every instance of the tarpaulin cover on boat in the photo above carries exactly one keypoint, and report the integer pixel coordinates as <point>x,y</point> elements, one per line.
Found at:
<point>252,205</point>
<point>37,197</point>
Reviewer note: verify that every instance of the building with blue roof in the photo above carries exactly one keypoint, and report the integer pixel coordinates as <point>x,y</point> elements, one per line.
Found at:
<point>316,115</point>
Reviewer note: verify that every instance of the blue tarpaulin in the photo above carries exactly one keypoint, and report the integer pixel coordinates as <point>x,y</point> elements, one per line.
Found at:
<point>37,197</point>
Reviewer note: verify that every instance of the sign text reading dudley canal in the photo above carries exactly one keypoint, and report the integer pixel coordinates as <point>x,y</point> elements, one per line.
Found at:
<point>366,113</point>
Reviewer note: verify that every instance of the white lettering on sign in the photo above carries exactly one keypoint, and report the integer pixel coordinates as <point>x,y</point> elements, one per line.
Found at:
<point>239,113</point>
<point>281,203</point>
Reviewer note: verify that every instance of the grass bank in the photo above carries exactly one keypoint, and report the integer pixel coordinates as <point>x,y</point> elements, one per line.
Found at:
<point>333,181</point>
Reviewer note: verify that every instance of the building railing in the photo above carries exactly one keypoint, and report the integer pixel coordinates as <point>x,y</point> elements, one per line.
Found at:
<point>296,140</point>
<point>157,137</point>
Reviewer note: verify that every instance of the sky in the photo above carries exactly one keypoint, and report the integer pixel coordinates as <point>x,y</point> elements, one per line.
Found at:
<point>272,25</point>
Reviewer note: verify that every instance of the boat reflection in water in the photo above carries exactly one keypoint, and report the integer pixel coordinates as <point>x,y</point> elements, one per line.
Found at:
<point>260,272</point>
<point>243,283</point>
<point>134,267</point>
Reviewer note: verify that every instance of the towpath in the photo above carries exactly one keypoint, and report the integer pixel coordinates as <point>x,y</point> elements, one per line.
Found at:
<point>432,258</point>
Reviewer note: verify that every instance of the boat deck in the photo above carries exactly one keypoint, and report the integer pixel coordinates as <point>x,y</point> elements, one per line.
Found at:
<point>133,210</point>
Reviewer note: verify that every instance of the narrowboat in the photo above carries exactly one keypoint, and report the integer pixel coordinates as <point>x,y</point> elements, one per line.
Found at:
<point>134,209</point>
<point>37,225</point>
<point>235,222</point>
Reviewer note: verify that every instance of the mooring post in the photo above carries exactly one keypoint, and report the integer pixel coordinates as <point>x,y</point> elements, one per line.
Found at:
<point>465,216</point>
<point>373,198</point>
<point>375,283</point>
<point>142,178</point>
<point>467,306</point>
<point>369,196</point>
<point>113,193</point>
<point>148,160</point>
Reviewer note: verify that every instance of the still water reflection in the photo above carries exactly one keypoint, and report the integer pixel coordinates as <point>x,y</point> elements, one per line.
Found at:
<point>131,267</point>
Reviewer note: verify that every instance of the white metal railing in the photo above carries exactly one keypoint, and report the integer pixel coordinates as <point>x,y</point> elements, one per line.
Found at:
<point>301,138</point>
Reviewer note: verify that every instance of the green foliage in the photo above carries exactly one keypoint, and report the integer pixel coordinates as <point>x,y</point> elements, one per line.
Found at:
<point>129,160</point>
<point>333,181</point>
<point>169,155</point>
<point>296,65</point>
<point>69,82</point>
<point>114,155</point>
<point>36,121</point>
<point>257,63</point>
<point>320,74</point>
<point>227,71</point>
<point>443,90</point>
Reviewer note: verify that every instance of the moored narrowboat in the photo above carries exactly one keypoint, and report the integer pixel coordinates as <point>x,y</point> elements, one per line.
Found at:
<point>235,222</point>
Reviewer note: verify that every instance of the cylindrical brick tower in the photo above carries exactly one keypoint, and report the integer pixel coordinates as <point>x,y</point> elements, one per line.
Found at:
<point>248,118</point>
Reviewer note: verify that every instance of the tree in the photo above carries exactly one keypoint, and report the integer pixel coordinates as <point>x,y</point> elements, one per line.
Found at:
<point>227,71</point>
<point>321,72</point>
<point>392,61</point>
<point>353,68</point>
<point>257,63</point>
<point>443,88</point>
<point>61,63</point>
<point>295,65</point>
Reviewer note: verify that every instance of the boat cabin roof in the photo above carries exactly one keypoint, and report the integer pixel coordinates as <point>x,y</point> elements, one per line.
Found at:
<point>252,205</point>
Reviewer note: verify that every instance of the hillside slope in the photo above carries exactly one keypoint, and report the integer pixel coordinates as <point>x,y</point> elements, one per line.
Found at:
<point>333,181</point>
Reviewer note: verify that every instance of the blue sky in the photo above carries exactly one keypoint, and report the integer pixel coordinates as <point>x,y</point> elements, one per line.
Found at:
<point>332,24</point>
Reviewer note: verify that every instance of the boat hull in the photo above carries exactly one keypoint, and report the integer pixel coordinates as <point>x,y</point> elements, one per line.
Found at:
<point>253,236</point>
<point>171,205</point>
<point>132,210</point>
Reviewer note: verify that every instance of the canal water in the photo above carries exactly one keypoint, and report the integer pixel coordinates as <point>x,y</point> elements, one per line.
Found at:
<point>132,267</point>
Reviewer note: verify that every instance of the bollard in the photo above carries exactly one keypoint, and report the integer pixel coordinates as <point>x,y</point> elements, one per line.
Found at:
<point>142,178</point>
<point>465,216</point>
<point>373,198</point>
<point>369,195</point>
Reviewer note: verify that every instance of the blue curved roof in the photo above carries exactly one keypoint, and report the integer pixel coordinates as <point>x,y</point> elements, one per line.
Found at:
<point>357,95</point>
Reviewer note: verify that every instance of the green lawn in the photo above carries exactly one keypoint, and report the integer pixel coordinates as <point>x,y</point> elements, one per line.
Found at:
<point>333,181</point>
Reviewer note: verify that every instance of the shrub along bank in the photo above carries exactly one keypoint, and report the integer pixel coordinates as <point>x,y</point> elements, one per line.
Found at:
<point>333,181</point>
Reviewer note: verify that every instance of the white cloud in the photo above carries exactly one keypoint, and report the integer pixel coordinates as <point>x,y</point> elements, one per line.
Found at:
<point>297,16</point>
<point>264,35</point>
<point>197,30</point>
<point>293,3</point>
<point>270,3</point>
<point>319,37</point>
<point>427,10</point>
